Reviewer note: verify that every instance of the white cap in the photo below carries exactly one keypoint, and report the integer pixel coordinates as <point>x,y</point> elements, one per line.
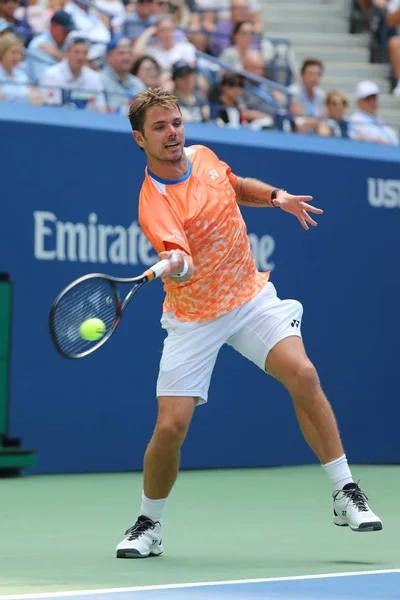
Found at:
<point>366,88</point>
<point>75,37</point>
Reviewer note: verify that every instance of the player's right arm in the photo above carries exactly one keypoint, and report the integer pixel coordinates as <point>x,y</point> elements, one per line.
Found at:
<point>164,228</point>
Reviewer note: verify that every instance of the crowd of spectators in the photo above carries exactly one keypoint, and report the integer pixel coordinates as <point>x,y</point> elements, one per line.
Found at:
<point>98,55</point>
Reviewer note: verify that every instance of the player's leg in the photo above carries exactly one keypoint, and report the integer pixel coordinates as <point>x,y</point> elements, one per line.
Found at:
<point>268,334</point>
<point>189,354</point>
<point>161,467</point>
<point>287,361</point>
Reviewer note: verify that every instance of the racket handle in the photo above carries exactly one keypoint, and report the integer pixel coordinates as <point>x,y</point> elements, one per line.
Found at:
<point>159,268</point>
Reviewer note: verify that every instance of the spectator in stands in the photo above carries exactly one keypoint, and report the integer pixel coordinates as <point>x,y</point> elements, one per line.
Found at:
<point>71,82</point>
<point>393,21</point>
<point>89,23</point>
<point>136,22</point>
<point>14,83</point>
<point>115,9</point>
<point>46,50</point>
<point>308,100</point>
<point>229,9</point>
<point>119,84</point>
<point>230,110</point>
<point>194,106</point>
<point>365,123</point>
<point>260,101</point>
<point>148,71</point>
<point>335,125</point>
<point>96,58</point>
<point>20,27</point>
<point>239,12</point>
<point>166,51</point>
<point>35,14</point>
<point>242,38</point>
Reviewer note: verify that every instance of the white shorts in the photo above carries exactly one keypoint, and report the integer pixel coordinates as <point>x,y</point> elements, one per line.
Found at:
<point>253,329</point>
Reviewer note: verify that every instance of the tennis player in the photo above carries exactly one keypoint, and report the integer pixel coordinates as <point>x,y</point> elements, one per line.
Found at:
<point>188,209</point>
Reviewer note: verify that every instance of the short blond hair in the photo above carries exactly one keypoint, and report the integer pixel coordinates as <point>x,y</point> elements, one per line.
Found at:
<point>336,94</point>
<point>150,98</point>
<point>8,40</point>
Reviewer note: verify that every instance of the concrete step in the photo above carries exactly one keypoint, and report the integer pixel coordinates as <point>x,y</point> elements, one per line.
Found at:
<point>334,53</point>
<point>348,84</point>
<point>390,102</point>
<point>301,38</point>
<point>281,24</point>
<point>358,70</point>
<point>291,11</point>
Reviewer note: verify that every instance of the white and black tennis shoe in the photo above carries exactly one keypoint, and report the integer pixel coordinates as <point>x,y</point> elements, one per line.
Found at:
<point>350,509</point>
<point>142,540</point>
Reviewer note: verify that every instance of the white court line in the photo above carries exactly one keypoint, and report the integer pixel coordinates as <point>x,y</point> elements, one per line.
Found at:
<point>192,585</point>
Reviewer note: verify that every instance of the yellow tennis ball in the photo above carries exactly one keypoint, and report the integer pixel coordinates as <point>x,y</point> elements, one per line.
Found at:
<point>92,329</point>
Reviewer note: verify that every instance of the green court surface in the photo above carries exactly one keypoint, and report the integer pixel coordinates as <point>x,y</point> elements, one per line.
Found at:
<point>58,533</point>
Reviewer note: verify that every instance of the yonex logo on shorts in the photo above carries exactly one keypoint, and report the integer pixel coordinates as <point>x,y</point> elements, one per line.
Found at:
<point>295,323</point>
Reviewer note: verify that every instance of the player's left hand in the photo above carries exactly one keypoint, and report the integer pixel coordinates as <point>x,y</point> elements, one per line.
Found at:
<point>298,206</point>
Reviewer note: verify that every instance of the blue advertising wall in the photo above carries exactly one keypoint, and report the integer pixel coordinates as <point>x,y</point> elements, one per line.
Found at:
<point>66,176</point>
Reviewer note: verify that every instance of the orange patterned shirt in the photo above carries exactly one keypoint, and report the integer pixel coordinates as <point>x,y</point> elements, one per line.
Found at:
<point>200,214</point>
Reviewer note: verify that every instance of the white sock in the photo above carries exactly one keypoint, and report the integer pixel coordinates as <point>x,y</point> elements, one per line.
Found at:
<point>152,508</point>
<point>338,472</point>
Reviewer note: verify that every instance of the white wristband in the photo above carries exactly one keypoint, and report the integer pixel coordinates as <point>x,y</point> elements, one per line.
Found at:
<point>184,270</point>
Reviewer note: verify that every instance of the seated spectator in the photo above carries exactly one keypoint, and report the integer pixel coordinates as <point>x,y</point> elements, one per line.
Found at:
<point>14,83</point>
<point>35,14</point>
<point>137,21</point>
<point>335,125</point>
<point>260,101</point>
<point>366,7</point>
<point>242,39</point>
<point>148,71</point>
<point>46,50</point>
<point>71,82</point>
<point>239,12</point>
<point>167,50</point>
<point>211,18</point>
<point>194,107</point>
<point>365,124</point>
<point>119,84</point>
<point>393,21</point>
<point>229,110</point>
<point>20,27</point>
<point>88,22</point>
<point>308,100</point>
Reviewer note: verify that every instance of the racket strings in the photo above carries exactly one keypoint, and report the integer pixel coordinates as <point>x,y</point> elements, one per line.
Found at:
<point>90,299</point>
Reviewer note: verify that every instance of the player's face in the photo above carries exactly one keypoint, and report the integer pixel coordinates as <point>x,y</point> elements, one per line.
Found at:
<point>164,134</point>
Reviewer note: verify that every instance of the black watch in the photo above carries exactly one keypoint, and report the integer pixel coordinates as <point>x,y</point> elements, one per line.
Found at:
<point>274,193</point>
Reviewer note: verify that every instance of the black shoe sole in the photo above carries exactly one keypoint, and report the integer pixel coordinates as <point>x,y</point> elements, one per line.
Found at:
<point>365,527</point>
<point>134,554</point>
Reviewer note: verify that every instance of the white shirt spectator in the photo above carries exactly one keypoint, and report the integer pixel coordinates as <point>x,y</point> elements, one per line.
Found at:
<point>88,23</point>
<point>86,91</point>
<point>166,58</point>
<point>311,108</point>
<point>371,128</point>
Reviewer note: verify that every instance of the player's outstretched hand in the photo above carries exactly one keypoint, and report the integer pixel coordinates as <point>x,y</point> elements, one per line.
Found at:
<point>298,206</point>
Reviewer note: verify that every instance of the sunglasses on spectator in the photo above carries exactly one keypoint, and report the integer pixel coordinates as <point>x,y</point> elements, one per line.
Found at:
<point>145,1</point>
<point>338,103</point>
<point>233,84</point>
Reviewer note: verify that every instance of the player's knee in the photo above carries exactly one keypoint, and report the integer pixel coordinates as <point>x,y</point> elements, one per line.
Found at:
<point>172,429</point>
<point>305,378</point>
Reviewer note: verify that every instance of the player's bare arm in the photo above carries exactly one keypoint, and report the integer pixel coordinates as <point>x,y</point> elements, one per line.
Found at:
<point>252,192</point>
<point>183,262</point>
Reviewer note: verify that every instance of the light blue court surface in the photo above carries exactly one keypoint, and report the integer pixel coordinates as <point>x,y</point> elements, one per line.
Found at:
<point>377,585</point>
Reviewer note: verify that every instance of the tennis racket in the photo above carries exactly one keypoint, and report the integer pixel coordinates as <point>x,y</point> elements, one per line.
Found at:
<point>93,296</point>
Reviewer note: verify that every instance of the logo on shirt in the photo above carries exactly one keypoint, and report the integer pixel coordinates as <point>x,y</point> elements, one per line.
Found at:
<point>383,193</point>
<point>295,323</point>
<point>213,174</point>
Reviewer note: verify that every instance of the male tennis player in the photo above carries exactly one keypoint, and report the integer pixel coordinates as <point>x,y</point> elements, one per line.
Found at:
<point>188,208</point>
